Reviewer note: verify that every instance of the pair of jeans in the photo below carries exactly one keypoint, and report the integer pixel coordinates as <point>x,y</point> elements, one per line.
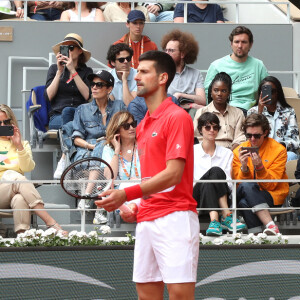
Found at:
<point>58,120</point>
<point>49,14</point>
<point>162,16</point>
<point>250,196</point>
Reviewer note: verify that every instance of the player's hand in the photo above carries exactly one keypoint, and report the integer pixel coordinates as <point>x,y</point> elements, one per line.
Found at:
<point>130,217</point>
<point>114,200</point>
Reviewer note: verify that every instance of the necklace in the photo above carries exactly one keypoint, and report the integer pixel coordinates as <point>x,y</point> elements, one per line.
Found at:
<point>133,63</point>
<point>133,158</point>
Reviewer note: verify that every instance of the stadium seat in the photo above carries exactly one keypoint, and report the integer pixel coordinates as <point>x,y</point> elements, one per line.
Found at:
<point>289,213</point>
<point>38,110</point>
<point>289,92</point>
<point>294,11</point>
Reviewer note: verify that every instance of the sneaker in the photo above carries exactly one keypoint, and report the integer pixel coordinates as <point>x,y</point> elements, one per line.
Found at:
<point>99,218</point>
<point>272,230</point>
<point>60,168</point>
<point>84,204</point>
<point>227,223</point>
<point>214,228</point>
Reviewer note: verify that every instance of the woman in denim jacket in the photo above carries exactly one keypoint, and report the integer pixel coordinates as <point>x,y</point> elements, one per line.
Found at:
<point>281,116</point>
<point>91,119</point>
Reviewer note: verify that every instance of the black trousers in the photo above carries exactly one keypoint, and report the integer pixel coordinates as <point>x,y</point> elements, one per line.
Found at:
<point>207,194</point>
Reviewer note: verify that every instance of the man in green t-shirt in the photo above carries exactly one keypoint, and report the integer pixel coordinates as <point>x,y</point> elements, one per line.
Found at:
<point>245,71</point>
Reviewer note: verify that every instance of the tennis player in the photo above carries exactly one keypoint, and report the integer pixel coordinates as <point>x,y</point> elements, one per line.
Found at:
<point>167,232</point>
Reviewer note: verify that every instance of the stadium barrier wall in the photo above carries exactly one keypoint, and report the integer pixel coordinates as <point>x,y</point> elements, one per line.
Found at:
<point>261,272</point>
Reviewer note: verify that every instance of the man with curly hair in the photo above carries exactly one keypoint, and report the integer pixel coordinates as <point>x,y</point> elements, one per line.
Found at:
<point>188,82</point>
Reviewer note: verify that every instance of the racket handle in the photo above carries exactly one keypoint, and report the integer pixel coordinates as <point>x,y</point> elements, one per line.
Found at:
<point>125,209</point>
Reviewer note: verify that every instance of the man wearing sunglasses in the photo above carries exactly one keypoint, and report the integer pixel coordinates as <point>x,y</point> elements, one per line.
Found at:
<point>167,206</point>
<point>265,159</point>
<point>188,82</point>
<point>120,56</point>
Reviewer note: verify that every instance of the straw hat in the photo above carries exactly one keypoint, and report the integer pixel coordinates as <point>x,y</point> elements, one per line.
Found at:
<point>73,38</point>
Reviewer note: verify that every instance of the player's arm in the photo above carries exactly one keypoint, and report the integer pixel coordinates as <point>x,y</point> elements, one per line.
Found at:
<point>169,177</point>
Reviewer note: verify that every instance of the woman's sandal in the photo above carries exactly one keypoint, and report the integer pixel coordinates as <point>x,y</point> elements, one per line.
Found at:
<point>57,227</point>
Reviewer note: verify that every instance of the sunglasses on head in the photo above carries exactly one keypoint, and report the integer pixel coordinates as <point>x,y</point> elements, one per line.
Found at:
<point>214,127</point>
<point>5,122</point>
<point>72,47</point>
<point>122,59</point>
<point>126,126</point>
<point>255,135</point>
<point>99,85</point>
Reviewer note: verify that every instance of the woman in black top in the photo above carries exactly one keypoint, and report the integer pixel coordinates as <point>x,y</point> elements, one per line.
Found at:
<point>67,85</point>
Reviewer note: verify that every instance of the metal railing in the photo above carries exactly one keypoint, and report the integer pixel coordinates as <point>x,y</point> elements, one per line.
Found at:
<point>83,211</point>
<point>236,3</point>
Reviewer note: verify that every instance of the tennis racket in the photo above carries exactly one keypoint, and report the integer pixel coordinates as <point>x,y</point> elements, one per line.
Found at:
<point>87,178</point>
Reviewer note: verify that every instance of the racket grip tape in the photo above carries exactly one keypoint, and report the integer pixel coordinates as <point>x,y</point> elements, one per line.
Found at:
<point>133,192</point>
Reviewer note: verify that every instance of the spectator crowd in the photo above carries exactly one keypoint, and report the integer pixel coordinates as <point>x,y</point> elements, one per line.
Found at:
<point>239,132</point>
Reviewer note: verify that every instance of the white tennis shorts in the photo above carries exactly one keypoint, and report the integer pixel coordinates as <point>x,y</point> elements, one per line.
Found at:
<point>167,249</point>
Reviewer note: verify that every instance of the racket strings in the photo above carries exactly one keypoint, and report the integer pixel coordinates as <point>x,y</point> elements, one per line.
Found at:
<point>83,173</point>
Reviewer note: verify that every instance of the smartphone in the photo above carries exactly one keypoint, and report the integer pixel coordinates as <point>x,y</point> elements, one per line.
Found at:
<point>251,149</point>
<point>6,130</point>
<point>267,90</point>
<point>64,50</point>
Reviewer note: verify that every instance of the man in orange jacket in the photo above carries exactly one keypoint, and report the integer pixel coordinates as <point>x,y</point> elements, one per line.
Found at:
<point>134,38</point>
<point>266,159</point>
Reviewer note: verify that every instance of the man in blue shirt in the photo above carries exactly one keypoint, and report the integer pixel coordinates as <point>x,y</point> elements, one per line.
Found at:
<point>119,56</point>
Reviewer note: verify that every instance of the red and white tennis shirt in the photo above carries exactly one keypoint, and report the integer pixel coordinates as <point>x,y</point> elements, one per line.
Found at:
<point>166,134</point>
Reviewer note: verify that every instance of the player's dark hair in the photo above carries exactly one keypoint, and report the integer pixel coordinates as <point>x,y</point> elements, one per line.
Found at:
<point>240,30</point>
<point>163,63</point>
<point>114,50</point>
<point>223,77</point>
<point>280,94</point>
<point>207,118</point>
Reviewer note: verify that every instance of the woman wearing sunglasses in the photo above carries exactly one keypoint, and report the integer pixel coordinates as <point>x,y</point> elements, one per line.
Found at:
<point>15,160</point>
<point>267,162</point>
<point>67,85</point>
<point>91,119</point>
<point>281,116</point>
<point>231,118</point>
<point>120,150</point>
<point>212,162</point>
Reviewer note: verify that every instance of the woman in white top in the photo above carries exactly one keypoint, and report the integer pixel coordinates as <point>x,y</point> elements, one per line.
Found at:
<point>212,162</point>
<point>89,12</point>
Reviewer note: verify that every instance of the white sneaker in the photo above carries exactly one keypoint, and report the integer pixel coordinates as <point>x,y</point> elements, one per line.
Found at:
<point>84,204</point>
<point>99,218</point>
<point>60,168</point>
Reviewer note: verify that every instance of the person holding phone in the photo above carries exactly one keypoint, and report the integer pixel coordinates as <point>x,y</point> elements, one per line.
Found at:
<point>15,160</point>
<point>281,116</point>
<point>268,163</point>
<point>212,162</point>
<point>67,85</point>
